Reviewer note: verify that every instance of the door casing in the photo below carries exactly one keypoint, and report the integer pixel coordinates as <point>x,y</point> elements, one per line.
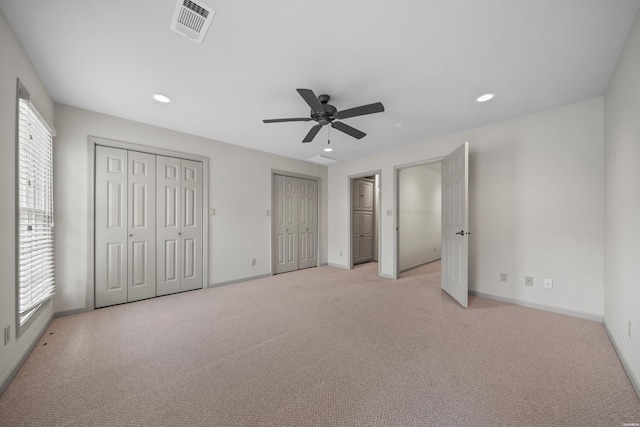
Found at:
<point>94,141</point>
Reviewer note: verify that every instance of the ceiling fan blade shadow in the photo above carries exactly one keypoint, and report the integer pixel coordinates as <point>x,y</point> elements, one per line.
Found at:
<point>311,99</point>
<point>351,131</point>
<point>300,119</point>
<point>312,133</point>
<point>376,107</point>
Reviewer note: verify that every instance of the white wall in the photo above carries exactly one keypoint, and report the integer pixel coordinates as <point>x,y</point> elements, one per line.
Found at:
<point>622,190</point>
<point>536,206</point>
<point>419,221</point>
<point>14,64</point>
<point>239,190</point>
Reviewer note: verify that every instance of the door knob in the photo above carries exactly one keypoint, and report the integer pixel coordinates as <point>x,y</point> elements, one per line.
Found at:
<point>461,232</point>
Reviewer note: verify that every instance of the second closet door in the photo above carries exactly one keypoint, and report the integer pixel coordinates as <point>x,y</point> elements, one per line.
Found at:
<point>179,225</point>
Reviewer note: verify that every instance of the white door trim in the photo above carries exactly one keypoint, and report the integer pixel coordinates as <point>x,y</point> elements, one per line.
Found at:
<point>93,141</point>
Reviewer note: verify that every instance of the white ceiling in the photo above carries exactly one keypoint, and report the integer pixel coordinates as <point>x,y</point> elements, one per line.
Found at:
<point>425,60</point>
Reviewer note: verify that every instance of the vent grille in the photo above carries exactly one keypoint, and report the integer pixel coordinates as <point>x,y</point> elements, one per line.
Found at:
<point>192,18</point>
<point>321,160</point>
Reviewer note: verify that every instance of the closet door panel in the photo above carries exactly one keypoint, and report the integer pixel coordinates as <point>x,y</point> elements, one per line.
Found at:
<point>110,226</point>
<point>168,225</point>
<point>307,226</point>
<point>142,226</point>
<point>191,226</point>
<point>285,224</point>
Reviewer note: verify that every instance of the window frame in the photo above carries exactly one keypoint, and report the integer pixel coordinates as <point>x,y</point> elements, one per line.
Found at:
<point>45,210</point>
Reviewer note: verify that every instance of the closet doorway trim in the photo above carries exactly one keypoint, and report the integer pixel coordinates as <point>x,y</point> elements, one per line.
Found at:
<point>93,141</point>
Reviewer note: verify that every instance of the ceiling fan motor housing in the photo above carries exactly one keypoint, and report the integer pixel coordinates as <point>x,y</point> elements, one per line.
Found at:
<point>329,113</point>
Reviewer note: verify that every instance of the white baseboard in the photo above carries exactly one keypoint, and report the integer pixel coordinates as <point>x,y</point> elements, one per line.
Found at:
<point>404,270</point>
<point>344,267</point>
<point>572,313</point>
<point>231,282</point>
<point>69,312</point>
<point>635,381</point>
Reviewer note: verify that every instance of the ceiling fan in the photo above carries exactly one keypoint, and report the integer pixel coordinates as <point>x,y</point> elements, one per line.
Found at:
<point>325,114</point>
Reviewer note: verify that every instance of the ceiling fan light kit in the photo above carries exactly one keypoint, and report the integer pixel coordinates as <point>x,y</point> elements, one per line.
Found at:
<point>326,114</point>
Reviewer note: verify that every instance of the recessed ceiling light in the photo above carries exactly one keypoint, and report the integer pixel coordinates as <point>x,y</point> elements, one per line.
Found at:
<point>398,125</point>
<point>161,98</point>
<point>486,97</point>
<point>328,149</point>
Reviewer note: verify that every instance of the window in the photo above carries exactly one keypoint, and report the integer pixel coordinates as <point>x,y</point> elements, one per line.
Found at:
<point>35,210</point>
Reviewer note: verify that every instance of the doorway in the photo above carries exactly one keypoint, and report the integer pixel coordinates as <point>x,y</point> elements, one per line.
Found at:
<point>364,229</point>
<point>419,208</point>
<point>454,222</point>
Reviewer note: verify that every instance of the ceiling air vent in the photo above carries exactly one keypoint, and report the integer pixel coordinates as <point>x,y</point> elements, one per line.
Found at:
<point>192,19</point>
<point>321,160</point>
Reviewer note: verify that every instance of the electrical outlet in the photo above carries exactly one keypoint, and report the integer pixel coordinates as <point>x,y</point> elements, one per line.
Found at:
<point>253,261</point>
<point>528,280</point>
<point>7,334</point>
<point>504,277</point>
<point>548,284</point>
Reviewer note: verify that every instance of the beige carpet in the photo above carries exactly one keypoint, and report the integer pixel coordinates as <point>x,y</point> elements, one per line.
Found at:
<point>322,347</point>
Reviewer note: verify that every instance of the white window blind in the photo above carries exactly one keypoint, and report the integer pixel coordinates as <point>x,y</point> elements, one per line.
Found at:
<point>35,211</point>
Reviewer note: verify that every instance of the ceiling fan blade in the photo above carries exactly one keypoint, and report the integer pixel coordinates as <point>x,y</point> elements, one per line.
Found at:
<point>312,133</point>
<point>311,99</point>
<point>348,130</point>
<point>376,107</point>
<point>301,119</point>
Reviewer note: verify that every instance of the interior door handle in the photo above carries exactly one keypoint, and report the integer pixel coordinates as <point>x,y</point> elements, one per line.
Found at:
<point>461,233</point>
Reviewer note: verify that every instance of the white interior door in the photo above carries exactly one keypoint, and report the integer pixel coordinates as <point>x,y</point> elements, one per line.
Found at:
<point>168,225</point>
<point>111,227</point>
<point>308,223</point>
<point>179,231</point>
<point>191,226</point>
<point>455,212</point>
<point>285,224</point>
<point>142,226</point>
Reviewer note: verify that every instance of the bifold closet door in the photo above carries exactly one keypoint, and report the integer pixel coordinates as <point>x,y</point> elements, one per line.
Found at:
<point>285,224</point>
<point>295,223</point>
<point>124,226</point>
<point>308,223</point>
<point>179,225</point>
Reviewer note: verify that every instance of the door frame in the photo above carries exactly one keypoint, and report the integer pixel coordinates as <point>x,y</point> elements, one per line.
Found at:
<point>94,141</point>
<point>273,228</point>
<point>396,204</point>
<point>377,213</point>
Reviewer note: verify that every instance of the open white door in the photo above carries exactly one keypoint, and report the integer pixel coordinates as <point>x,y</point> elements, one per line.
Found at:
<point>455,224</point>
